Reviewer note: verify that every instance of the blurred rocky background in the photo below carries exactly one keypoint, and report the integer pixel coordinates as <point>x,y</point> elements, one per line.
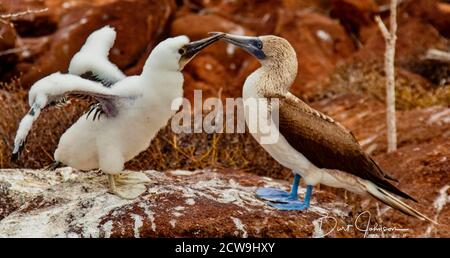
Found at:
<point>341,72</point>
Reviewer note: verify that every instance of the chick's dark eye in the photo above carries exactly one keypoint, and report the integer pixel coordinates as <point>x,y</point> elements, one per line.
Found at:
<point>181,51</point>
<point>259,45</point>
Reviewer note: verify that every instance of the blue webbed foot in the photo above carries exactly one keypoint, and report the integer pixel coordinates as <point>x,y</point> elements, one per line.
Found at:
<point>278,195</point>
<point>291,206</point>
<point>273,195</point>
<point>295,205</point>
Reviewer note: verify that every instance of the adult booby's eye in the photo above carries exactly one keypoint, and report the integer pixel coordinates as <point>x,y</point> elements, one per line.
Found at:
<point>181,51</point>
<point>259,45</point>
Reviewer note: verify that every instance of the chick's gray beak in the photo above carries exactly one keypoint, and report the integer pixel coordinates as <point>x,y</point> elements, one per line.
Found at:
<point>194,47</point>
<point>190,50</point>
<point>252,45</point>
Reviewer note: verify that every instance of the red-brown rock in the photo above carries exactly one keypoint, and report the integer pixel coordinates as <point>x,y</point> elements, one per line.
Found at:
<point>364,70</point>
<point>422,170</point>
<point>354,14</point>
<point>7,35</point>
<point>258,16</point>
<point>431,11</point>
<point>208,74</point>
<point>34,18</point>
<point>138,24</point>
<point>415,37</point>
<point>218,65</point>
<point>197,26</point>
<point>320,43</point>
<point>8,53</point>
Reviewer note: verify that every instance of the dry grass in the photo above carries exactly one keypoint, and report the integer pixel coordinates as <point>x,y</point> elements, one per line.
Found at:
<point>167,151</point>
<point>412,91</point>
<point>43,138</point>
<point>197,151</point>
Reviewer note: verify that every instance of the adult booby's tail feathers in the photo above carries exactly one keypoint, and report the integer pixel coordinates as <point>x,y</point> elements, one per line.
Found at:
<point>394,202</point>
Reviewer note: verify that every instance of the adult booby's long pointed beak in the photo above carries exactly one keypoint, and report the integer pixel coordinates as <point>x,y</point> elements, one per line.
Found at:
<point>192,49</point>
<point>252,45</point>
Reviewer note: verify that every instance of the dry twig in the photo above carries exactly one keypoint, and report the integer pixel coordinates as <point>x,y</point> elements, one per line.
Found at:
<point>27,12</point>
<point>390,36</point>
<point>439,55</point>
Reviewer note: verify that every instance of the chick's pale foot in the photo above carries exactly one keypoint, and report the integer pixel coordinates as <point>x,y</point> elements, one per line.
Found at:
<point>128,185</point>
<point>129,178</point>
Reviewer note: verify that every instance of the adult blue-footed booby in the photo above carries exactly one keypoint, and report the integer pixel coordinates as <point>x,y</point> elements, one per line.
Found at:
<point>135,108</point>
<point>311,144</point>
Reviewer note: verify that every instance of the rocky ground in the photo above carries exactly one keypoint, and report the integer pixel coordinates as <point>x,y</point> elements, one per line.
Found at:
<point>68,203</point>
<point>340,53</point>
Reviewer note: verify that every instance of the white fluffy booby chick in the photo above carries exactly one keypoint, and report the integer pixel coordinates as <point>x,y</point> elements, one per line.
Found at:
<point>127,116</point>
<point>310,143</point>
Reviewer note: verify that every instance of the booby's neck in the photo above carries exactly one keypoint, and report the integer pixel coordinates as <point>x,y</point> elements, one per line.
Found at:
<point>274,77</point>
<point>165,82</point>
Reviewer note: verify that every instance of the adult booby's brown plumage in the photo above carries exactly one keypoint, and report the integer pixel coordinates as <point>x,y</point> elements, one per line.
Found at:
<point>327,144</point>
<point>310,143</point>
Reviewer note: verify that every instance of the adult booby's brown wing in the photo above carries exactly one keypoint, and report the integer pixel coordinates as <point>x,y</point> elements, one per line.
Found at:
<point>327,144</point>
